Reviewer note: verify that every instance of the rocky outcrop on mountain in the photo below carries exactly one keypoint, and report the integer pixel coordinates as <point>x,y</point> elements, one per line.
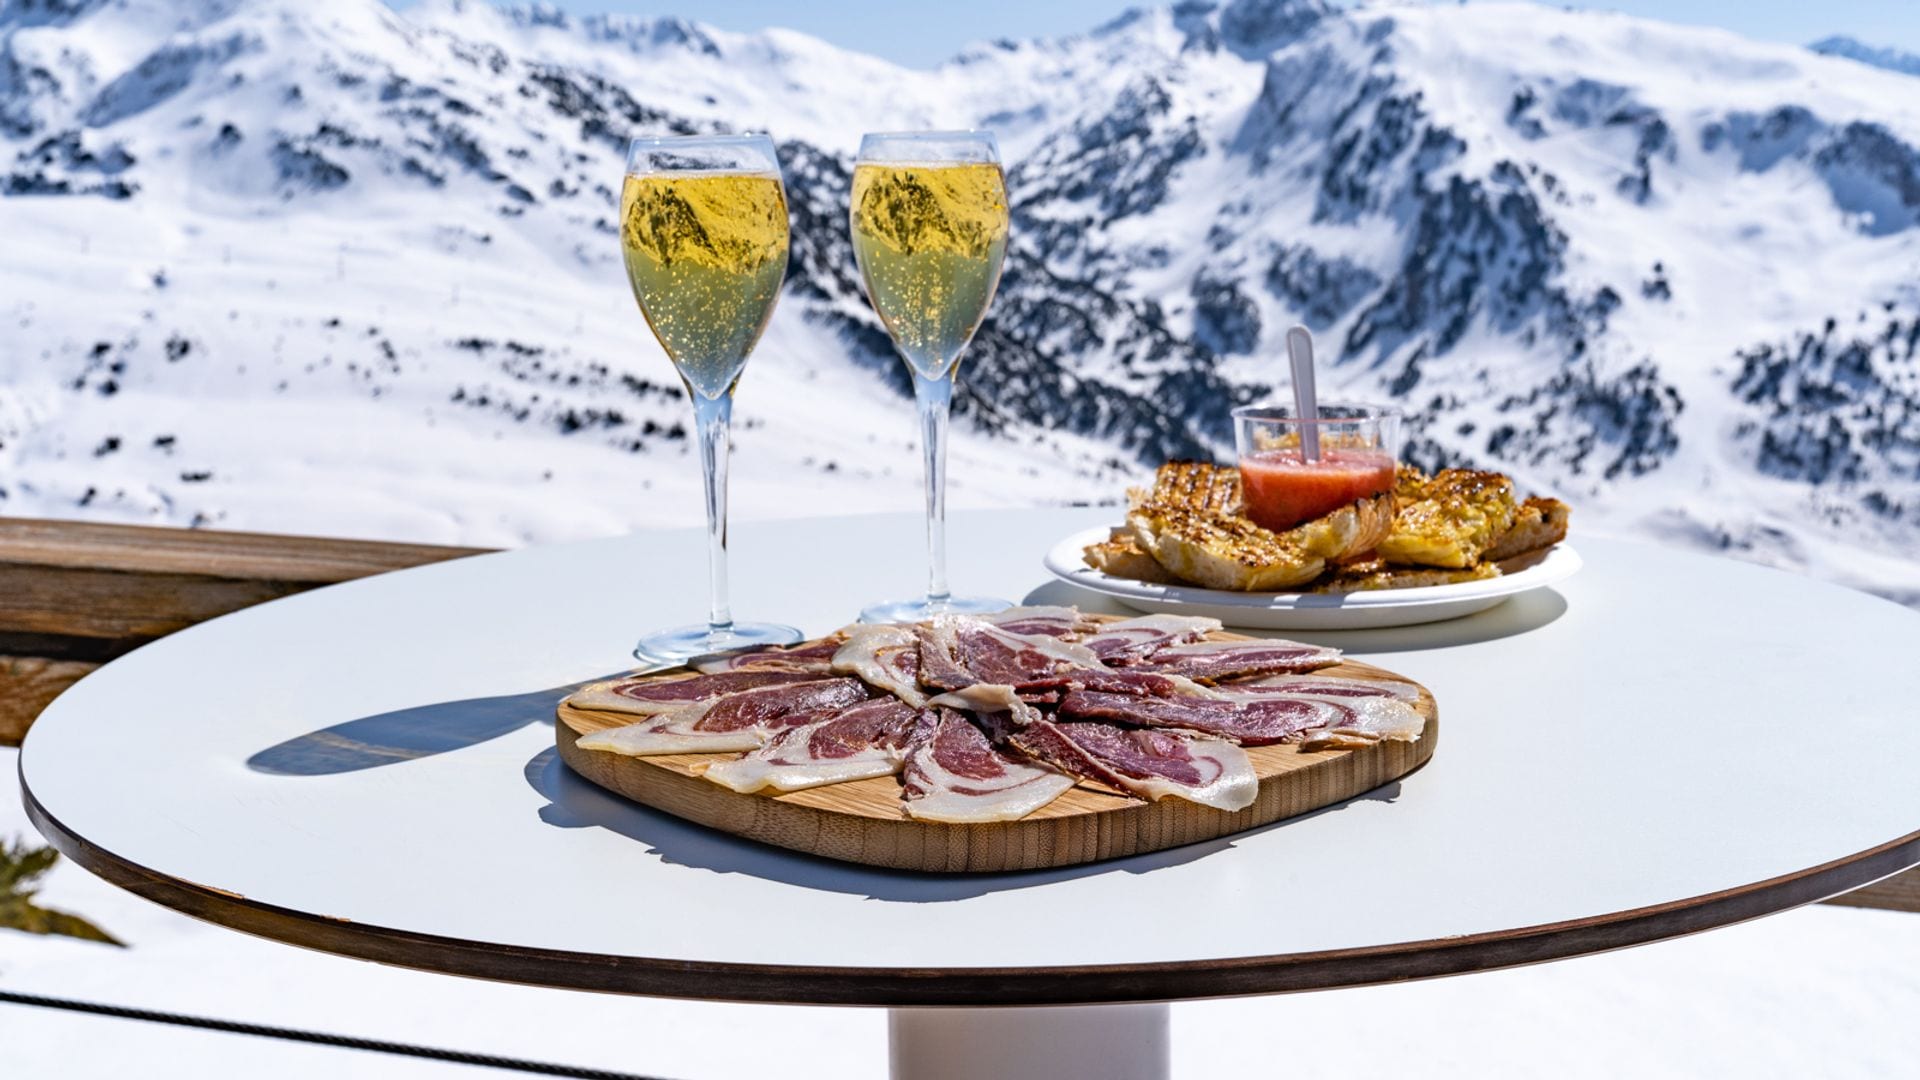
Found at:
<point>1591,425</point>
<point>1116,163</point>
<point>1838,408</point>
<point>1322,289</point>
<point>64,163</point>
<point>1870,172</point>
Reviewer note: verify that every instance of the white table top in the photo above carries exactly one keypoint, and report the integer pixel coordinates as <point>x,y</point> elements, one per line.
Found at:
<point>1663,743</point>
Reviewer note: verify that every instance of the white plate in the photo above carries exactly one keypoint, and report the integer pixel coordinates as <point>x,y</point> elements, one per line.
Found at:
<point>1315,611</point>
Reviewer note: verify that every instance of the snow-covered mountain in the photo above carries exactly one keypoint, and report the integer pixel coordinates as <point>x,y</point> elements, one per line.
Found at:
<point>332,268</point>
<point>1879,56</point>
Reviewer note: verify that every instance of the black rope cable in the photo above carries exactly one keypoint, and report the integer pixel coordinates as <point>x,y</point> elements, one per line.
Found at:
<point>315,1037</point>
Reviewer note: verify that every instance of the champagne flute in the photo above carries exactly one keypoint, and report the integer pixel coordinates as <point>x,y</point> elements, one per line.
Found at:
<point>929,223</point>
<point>703,231</point>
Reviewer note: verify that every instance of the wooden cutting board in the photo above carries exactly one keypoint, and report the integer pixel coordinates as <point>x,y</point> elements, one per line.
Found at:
<point>862,821</point>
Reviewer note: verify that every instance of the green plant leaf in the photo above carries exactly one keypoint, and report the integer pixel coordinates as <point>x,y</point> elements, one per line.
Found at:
<point>20,867</point>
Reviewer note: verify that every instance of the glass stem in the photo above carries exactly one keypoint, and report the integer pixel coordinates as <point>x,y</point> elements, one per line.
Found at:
<point>712,417</point>
<point>935,399</point>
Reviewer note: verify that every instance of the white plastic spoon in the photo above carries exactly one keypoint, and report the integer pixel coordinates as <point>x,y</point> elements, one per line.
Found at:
<point>1306,405</point>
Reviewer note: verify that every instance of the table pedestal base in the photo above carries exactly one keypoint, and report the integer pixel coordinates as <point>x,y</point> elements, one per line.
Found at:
<point>1107,1042</point>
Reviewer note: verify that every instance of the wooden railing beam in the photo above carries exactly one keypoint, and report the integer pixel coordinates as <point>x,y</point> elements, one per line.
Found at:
<point>29,684</point>
<point>74,595</point>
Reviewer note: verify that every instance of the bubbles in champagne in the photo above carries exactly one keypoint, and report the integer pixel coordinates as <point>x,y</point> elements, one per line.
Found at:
<point>705,253</point>
<point>930,240</point>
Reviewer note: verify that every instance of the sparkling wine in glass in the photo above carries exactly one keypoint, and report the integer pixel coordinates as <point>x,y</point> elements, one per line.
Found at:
<point>929,223</point>
<point>703,231</point>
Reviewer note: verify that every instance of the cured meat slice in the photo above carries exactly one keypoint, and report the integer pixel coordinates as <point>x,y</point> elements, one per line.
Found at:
<point>649,696</point>
<point>861,741</point>
<point>813,656</point>
<point>1150,763</point>
<point>956,775</point>
<point>1215,660</point>
<point>1136,639</point>
<point>1250,723</point>
<point>886,656</point>
<point>1158,764</point>
<point>1371,720</point>
<point>1328,686</point>
<point>957,651</point>
<point>1373,709</point>
<point>1315,722</point>
<point>739,721</point>
<point>1124,681</point>
<point>1043,621</point>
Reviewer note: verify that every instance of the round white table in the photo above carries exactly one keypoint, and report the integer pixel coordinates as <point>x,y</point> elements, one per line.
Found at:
<point>1663,744</point>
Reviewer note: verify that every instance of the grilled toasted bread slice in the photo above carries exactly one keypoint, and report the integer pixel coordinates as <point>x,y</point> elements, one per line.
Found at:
<point>1540,522</point>
<point>1194,485</point>
<point>1379,574</point>
<point>1190,525</point>
<point>1215,489</point>
<point>1222,551</point>
<point>1121,556</point>
<point>1409,483</point>
<point>1354,532</point>
<point>1450,520</point>
<point>1431,530</point>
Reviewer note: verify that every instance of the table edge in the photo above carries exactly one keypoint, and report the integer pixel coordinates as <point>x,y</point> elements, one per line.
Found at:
<point>982,986</point>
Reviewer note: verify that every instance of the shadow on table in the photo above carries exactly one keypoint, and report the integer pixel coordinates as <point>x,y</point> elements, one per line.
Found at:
<point>1520,614</point>
<point>576,803</point>
<point>408,734</point>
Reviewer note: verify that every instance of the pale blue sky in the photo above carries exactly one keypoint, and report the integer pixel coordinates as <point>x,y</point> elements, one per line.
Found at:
<point>922,35</point>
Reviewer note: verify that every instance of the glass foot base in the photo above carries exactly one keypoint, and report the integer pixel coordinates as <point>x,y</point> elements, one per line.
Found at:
<point>682,642</point>
<point>897,611</point>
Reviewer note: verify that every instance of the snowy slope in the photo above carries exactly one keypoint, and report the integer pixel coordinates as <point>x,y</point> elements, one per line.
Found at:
<point>300,280</point>
<point>1879,56</point>
<point>337,269</point>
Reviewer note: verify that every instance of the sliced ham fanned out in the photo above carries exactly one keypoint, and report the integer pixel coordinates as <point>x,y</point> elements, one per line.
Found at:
<point>649,696</point>
<point>739,721</point>
<point>886,656</point>
<point>1136,639</point>
<point>1250,723</point>
<point>1375,719</point>
<point>956,775</point>
<point>861,741</point>
<point>815,656</point>
<point>1328,686</point>
<point>957,651</point>
<point>1150,763</point>
<point>1212,661</point>
<point>1044,620</point>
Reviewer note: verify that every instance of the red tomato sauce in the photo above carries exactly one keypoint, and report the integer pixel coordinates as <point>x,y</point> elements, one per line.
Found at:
<point>1282,491</point>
